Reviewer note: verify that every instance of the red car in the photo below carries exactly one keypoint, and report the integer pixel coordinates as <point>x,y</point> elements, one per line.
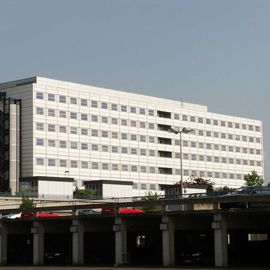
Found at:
<point>123,210</point>
<point>30,214</point>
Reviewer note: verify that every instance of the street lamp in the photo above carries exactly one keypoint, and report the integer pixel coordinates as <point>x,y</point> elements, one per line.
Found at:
<point>177,130</point>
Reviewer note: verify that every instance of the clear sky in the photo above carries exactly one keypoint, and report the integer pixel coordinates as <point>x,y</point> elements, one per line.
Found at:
<point>215,53</point>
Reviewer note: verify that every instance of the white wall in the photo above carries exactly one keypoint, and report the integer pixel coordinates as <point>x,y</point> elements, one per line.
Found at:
<point>55,189</point>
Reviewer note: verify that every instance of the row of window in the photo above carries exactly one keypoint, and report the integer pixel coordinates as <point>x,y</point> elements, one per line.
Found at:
<point>124,108</point>
<point>94,103</point>
<point>115,135</point>
<point>130,168</point>
<point>135,151</point>
<point>225,160</point>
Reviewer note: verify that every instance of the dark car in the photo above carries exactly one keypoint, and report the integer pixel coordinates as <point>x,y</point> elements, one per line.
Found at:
<point>243,192</point>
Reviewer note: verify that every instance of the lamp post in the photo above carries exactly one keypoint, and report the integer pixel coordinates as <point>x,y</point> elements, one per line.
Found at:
<point>177,130</point>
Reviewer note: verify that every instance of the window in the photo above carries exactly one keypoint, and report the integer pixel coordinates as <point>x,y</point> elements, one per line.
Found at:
<point>237,125</point>
<point>51,127</point>
<point>134,168</point>
<point>104,134</point>
<point>201,145</point>
<point>258,140</point>
<point>151,139</point>
<point>230,124</point>
<point>133,137</point>
<point>201,173</point>
<point>223,135</point>
<point>230,148</point>
<point>244,138</point>
<point>143,186</point>
<point>185,143</point>
<point>124,150</point>
<point>40,161</point>
<point>208,146</point>
<point>176,116</point>
<point>123,108</point>
<point>244,126</point>
<point>94,133</point>
<point>63,129</point>
<point>224,160</point>
<point>209,174</point>
<point>94,104</point>
<point>73,115</point>
<point>39,126</point>
<point>152,169</point>
<point>216,147</point>
<point>94,118</point>
<point>142,124</point>
<point>115,167</point>
<point>73,100</point>
<point>200,133</point>
<point>62,99</point>
<point>208,121</point>
<point>105,148</point>
<point>62,163</point>
<point>142,111</point>
<point>39,95</point>
<point>133,123</point>
<point>151,126</point>
<point>123,122</point>
<point>193,157</point>
<point>84,117</point>
<point>257,128</point>
<point>209,158</point>
<point>201,158</point>
<point>152,153</point>
<point>40,142</point>
<point>133,110</point>
<point>51,143</point>
<point>184,117</point>
<point>105,166</point>
<point>84,131</point>
<point>143,152</point>
<point>185,156</point>
<point>230,136</point>
<point>200,120</point>
<point>84,102</point>
<point>192,119</point>
<point>216,134</point>
<point>224,175</point>
<point>84,146</point>
<point>193,144</point>
<point>84,164</point>
<point>51,162</point>
<point>114,107</point>
<point>39,111</point>
<point>104,105</point>
<point>251,139</point>
<point>215,122</point>
<point>250,127</point>
<point>94,147</point>
<point>258,151</point>
<point>223,123</point>
<point>151,112</point>
<point>73,145</point>
<point>73,130</point>
<point>216,159</point>
<point>143,169</point>
<point>142,138</point>
<point>51,112</point>
<point>62,144</point>
<point>208,133</point>
<point>124,136</point>
<point>217,175</point>
<point>74,164</point>
<point>114,121</point>
<point>104,119</point>
<point>62,114</point>
<point>231,161</point>
<point>238,161</point>
<point>51,97</point>
<point>237,149</point>
<point>114,135</point>
<point>94,165</point>
<point>114,149</point>
<point>244,150</point>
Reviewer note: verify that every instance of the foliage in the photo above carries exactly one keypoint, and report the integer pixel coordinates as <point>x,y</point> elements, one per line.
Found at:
<point>151,197</point>
<point>201,182</point>
<point>27,203</point>
<point>83,193</point>
<point>253,179</point>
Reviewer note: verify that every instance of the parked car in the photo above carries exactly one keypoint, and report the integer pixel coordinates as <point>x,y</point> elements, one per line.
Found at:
<point>123,210</point>
<point>31,214</point>
<point>11,216</point>
<point>244,191</point>
<point>87,212</point>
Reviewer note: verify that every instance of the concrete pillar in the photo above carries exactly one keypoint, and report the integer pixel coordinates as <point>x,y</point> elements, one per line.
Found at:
<point>221,241</point>
<point>3,244</point>
<point>120,229</point>
<point>77,230</point>
<point>168,247</point>
<point>38,243</point>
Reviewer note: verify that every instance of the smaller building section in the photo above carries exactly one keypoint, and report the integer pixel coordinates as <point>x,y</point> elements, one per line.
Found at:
<point>110,189</point>
<point>47,187</point>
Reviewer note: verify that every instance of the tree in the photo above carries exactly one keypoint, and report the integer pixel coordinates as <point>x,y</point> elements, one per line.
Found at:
<point>151,197</point>
<point>253,179</point>
<point>83,193</point>
<point>201,182</point>
<point>27,203</point>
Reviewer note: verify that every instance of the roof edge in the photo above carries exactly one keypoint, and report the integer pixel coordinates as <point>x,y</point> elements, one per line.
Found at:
<point>15,83</point>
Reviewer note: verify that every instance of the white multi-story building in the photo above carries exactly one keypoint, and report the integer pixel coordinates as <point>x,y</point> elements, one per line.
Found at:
<point>120,141</point>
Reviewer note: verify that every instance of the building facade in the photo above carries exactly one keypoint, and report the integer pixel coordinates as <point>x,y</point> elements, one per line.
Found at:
<point>94,134</point>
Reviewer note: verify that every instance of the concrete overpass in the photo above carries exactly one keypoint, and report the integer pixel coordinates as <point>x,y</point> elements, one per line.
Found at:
<point>199,233</point>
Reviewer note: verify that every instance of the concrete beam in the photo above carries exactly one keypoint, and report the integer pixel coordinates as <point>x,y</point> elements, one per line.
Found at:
<point>120,229</point>
<point>3,244</point>
<point>38,243</point>
<point>77,230</point>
